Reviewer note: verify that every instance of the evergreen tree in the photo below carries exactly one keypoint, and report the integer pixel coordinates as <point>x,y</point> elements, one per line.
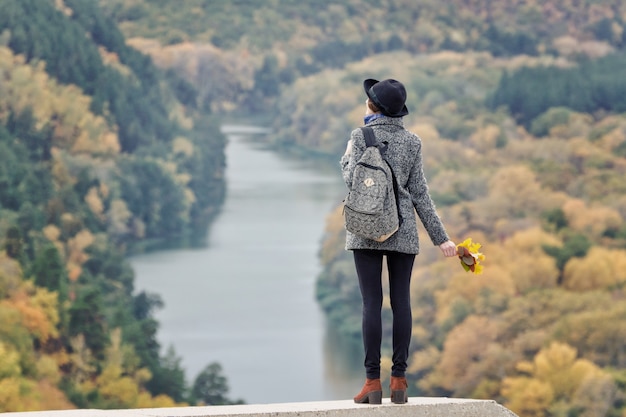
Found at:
<point>211,387</point>
<point>87,318</point>
<point>49,272</point>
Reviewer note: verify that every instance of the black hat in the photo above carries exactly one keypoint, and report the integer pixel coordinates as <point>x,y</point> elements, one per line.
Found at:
<point>388,95</point>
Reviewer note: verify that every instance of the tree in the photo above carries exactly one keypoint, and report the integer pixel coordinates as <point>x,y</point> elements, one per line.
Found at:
<point>555,374</point>
<point>266,78</point>
<point>600,268</point>
<point>463,362</point>
<point>211,387</point>
<point>49,271</point>
<point>529,266</point>
<point>574,245</point>
<point>87,318</point>
<point>168,377</point>
<point>13,243</point>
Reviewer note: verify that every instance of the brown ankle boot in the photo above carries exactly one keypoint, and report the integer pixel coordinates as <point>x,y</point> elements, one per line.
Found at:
<point>372,393</point>
<point>398,388</point>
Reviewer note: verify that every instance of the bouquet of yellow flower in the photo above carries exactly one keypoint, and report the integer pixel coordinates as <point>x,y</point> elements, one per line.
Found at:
<point>469,256</point>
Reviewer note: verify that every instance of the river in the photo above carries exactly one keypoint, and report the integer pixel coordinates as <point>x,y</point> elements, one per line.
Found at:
<point>247,298</point>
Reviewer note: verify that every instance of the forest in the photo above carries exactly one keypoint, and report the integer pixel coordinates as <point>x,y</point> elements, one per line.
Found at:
<point>99,151</point>
<point>520,106</point>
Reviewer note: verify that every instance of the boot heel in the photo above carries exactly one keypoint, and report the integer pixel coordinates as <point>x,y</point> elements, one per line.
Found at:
<point>399,397</point>
<point>372,397</point>
<point>375,397</point>
<point>372,393</point>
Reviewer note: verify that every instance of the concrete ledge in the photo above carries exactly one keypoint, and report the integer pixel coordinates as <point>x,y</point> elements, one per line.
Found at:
<point>416,407</point>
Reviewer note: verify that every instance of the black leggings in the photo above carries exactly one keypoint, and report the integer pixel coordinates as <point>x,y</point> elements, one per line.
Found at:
<point>369,266</point>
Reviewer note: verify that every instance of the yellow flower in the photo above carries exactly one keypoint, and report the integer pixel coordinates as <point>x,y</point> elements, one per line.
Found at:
<point>469,256</point>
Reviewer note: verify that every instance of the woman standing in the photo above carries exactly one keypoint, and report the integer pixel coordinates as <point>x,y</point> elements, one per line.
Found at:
<point>385,109</point>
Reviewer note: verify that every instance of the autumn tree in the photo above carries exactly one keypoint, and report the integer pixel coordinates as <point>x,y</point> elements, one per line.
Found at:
<point>557,379</point>
<point>600,268</point>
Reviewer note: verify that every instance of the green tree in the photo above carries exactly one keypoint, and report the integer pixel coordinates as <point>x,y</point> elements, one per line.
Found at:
<point>87,318</point>
<point>575,245</point>
<point>14,244</point>
<point>211,387</point>
<point>48,270</point>
<point>266,79</point>
<point>169,377</point>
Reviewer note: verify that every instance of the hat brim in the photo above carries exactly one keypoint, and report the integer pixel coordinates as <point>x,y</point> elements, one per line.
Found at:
<point>367,85</point>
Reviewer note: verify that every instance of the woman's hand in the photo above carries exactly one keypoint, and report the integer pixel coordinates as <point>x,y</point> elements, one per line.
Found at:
<point>448,248</point>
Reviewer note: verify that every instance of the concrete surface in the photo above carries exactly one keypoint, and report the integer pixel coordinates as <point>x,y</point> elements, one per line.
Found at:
<point>416,407</point>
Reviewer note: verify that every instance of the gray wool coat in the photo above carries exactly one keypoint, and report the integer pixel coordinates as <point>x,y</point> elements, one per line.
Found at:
<point>404,155</point>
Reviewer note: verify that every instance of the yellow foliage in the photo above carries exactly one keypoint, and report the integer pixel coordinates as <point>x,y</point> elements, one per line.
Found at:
<point>10,275</point>
<point>221,74</point>
<point>613,139</point>
<point>94,202</point>
<point>555,374</point>
<point>9,362</point>
<point>10,394</point>
<point>118,216</point>
<point>470,257</point>
<point>600,268</point>
<point>426,131</point>
<point>593,221</point>
<point>527,397</point>
<point>77,245</point>
<point>60,172</point>
<point>48,369</point>
<point>47,302</point>
<point>487,389</point>
<point>37,310</point>
<point>81,362</point>
<point>514,191</point>
<point>424,360</point>
<point>144,400</point>
<point>577,126</point>
<point>461,286</point>
<point>595,395</point>
<point>51,398</point>
<point>182,145</point>
<point>142,375</point>
<point>464,346</point>
<point>74,126</point>
<point>113,386</point>
<point>557,365</point>
<point>335,236</point>
<point>485,138</point>
<point>73,271</point>
<point>530,241</point>
<point>52,232</point>
<point>525,260</point>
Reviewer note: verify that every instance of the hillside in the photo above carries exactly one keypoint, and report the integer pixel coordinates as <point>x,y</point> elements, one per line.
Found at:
<point>520,107</point>
<point>92,137</point>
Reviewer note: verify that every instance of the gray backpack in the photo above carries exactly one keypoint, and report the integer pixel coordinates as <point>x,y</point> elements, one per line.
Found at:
<point>371,207</point>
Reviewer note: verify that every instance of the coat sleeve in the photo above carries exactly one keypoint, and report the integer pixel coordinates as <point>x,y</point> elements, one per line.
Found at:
<point>423,203</point>
<point>348,162</point>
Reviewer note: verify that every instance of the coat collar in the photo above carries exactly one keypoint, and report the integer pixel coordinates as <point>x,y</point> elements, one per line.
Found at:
<point>386,120</point>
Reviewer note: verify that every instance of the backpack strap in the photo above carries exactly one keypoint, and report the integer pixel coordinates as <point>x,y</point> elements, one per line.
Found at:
<point>370,140</point>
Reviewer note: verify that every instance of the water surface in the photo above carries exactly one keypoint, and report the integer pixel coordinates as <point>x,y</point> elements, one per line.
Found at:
<point>247,299</point>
